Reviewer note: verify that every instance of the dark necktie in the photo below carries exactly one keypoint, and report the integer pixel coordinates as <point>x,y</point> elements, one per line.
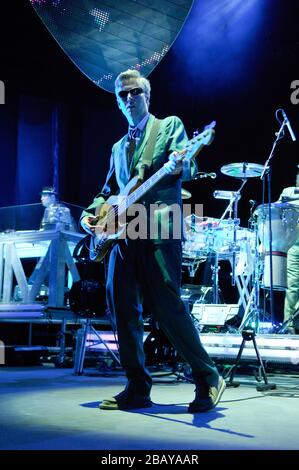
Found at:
<point>131,147</point>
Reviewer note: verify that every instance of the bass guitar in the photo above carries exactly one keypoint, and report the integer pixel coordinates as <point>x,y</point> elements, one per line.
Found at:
<point>109,226</point>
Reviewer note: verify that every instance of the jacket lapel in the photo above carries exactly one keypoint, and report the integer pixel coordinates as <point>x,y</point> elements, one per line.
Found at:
<point>139,150</point>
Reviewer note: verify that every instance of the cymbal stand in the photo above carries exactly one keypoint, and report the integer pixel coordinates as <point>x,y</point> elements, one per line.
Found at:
<point>233,208</point>
<point>233,197</point>
<point>215,278</point>
<point>252,311</point>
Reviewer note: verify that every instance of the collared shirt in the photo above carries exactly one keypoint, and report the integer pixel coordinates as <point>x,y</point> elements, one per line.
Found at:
<point>136,131</point>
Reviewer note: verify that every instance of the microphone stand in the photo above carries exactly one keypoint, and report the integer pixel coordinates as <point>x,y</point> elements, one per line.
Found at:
<point>267,173</point>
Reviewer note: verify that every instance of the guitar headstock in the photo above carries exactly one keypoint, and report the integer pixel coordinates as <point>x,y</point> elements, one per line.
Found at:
<point>198,141</point>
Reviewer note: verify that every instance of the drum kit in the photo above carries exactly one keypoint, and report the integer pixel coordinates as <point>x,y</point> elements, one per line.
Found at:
<point>247,249</point>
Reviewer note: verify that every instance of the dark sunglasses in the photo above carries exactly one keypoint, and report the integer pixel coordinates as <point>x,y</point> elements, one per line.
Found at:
<point>134,92</point>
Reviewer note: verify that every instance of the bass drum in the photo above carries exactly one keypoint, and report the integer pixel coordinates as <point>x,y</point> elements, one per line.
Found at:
<point>158,350</point>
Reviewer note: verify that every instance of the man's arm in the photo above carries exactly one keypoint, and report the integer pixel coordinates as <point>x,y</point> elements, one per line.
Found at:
<point>177,141</point>
<point>88,219</point>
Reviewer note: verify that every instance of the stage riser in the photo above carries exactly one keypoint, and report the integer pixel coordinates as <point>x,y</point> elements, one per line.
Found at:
<point>277,348</point>
<point>282,349</point>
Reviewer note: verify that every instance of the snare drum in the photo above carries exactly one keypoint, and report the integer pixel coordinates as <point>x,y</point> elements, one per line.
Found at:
<point>285,231</point>
<point>199,236</point>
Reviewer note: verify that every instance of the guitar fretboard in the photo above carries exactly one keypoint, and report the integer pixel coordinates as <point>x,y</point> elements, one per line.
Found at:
<point>146,186</point>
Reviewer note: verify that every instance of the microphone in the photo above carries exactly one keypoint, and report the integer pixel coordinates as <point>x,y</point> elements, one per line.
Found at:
<point>202,174</point>
<point>287,122</point>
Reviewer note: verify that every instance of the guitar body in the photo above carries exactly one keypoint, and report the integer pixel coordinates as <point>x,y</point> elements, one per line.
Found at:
<point>110,227</point>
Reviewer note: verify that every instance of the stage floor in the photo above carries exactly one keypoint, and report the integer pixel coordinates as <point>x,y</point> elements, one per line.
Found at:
<point>48,408</point>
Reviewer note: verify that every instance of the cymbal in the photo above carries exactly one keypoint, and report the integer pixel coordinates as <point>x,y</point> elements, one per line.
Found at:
<point>242,170</point>
<point>185,194</point>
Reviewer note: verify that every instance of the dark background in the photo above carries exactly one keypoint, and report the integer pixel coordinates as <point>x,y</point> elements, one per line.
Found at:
<point>234,66</point>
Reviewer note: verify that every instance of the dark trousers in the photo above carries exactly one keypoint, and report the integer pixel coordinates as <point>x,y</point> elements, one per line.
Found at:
<point>142,271</point>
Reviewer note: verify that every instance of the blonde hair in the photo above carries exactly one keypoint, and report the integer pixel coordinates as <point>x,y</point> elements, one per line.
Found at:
<point>135,74</point>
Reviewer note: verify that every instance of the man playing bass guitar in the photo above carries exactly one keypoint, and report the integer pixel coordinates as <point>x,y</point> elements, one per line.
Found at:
<point>147,269</point>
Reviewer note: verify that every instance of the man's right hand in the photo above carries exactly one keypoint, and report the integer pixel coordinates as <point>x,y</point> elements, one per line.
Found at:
<point>89,222</point>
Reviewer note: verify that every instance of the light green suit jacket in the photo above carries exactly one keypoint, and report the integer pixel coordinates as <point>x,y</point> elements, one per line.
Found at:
<point>167,192</point>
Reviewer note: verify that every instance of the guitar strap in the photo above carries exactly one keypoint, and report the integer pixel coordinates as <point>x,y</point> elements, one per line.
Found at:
<point>147,157</point>
<point>81,251</point>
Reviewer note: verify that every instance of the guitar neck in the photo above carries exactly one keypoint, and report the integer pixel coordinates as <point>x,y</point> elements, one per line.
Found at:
<point>188,152</point>
<point>145,187</point>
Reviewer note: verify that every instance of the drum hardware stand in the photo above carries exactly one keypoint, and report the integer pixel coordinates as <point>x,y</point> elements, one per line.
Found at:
<point>215,278</point>
<point>235,204</point>
<point>180,371</point>
<point>81,346</point>
<point>252,311</point>
<point>248,334</point>
<point>193,266</point>
<point>242,282</point>
<point>232,207</point>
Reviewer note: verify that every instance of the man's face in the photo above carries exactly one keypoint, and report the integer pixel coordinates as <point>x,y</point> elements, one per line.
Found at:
<point>132,100</point>
<point>47,199</point>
